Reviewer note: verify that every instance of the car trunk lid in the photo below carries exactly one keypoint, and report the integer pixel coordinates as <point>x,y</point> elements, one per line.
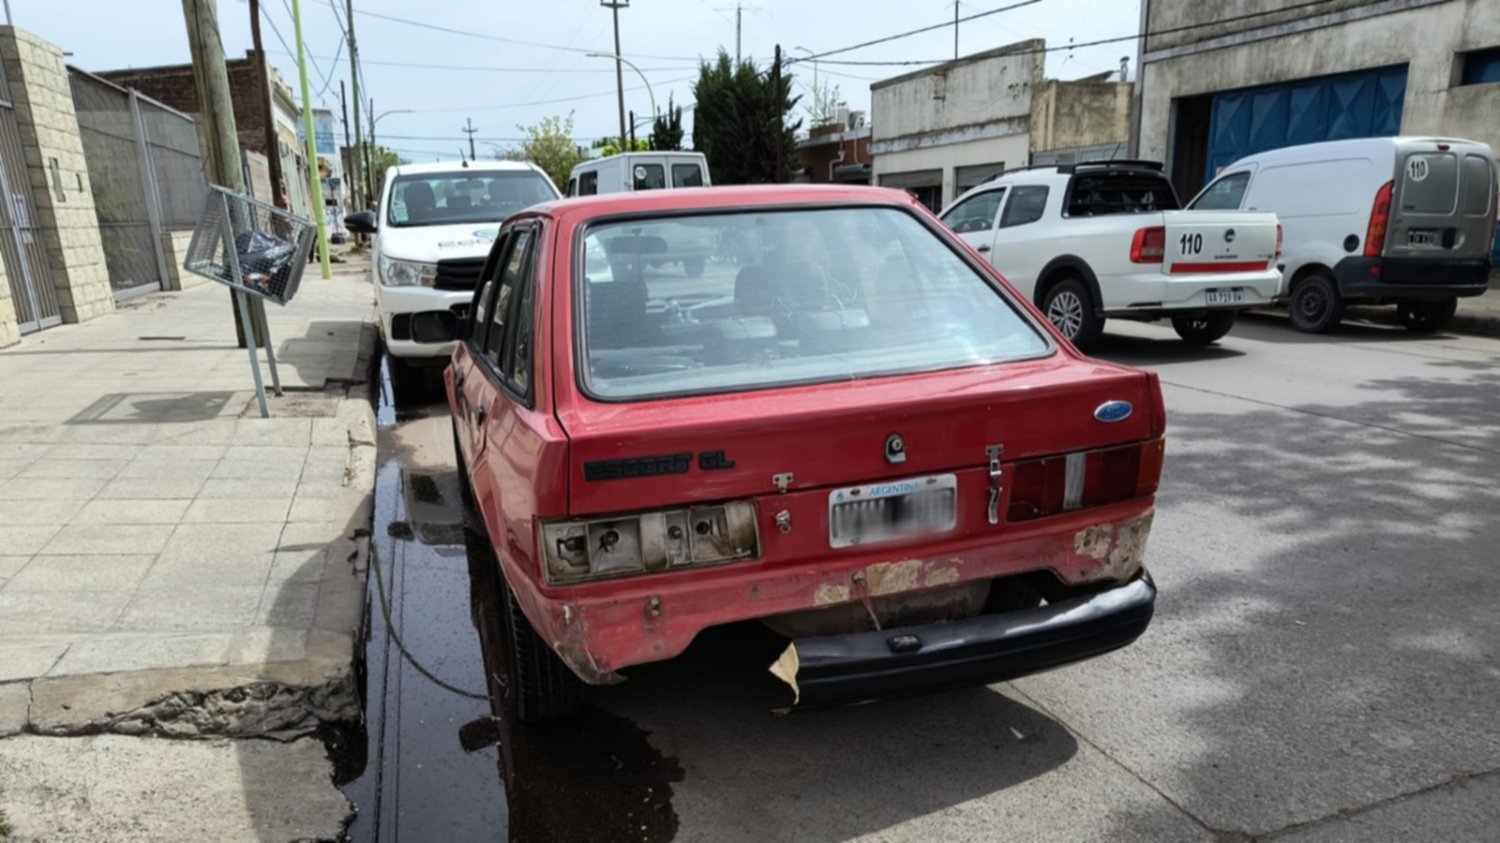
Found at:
<point>1199,242</point>
<point>643,455</point>
<point>1443,202</point>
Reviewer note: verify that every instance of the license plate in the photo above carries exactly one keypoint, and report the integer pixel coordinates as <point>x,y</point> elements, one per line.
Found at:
<point>1232,295</point>
<point>892,510</point>
<point>1421,237</point>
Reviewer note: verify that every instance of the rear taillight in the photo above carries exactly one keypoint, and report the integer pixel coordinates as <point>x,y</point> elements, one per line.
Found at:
<point>1380,217</point>
<point>1066,482</point>
<point>622,545</point>
<point>1277,259</point>
<point>1149,245</point>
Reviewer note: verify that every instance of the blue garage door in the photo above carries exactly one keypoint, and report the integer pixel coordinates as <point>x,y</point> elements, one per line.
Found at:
<point>1350,105</point>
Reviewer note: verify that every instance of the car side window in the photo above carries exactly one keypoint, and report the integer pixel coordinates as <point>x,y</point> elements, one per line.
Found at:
<point>649,177</point>
<point>977,213</point>
<point>1226,194</point>
<point>517,359</point>
<point>588,183</point>
<point>1026,205</point>
<point>509,272</point>
<point>573,187</point>
<point>479,309</point>
<point>687,175</point>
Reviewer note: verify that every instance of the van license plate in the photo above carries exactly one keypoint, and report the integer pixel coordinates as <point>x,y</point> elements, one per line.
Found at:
<point>892,510</point>
<point>1232,295</point>
<point>1421,237</point>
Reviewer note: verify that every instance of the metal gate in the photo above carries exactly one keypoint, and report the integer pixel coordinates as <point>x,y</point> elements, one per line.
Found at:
<point>26,269</point>
<point>146,176</point>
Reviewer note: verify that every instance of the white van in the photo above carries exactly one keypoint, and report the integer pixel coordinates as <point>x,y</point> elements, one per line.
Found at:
<point>1396,220</point>
<point>630,171</point>
<point>433,230</point>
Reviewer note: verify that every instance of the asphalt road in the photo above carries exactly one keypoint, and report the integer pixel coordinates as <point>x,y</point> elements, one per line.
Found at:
<point>1323,664</point>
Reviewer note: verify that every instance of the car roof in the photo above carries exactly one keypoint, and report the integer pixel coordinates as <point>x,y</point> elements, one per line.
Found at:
<point>460,166</point>
<point>719,198</point>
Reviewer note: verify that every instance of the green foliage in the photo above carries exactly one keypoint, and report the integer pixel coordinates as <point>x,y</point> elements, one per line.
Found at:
<point>666,132</point>
<point>611,146</point>
<point>5,829</point>
<point>549,145</point>
<point>741,123</point>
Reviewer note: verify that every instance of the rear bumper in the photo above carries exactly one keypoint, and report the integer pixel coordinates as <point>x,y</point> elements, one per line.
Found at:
<point>1182,295</point>
<point>1411,279</point>
<point>848,669</point>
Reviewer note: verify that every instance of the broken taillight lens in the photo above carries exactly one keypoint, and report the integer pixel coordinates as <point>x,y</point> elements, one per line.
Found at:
<point>1062,483</point>
<point>622,545</point>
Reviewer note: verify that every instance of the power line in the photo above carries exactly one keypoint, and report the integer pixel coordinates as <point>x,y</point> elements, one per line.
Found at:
<point>504,40</point>
<point>1073,46</point>
<point>545,102</point>
<point>495,69</point>
<point>908,34</point>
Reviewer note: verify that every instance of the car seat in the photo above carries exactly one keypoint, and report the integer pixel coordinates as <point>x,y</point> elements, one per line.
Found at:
<point>420,201</point>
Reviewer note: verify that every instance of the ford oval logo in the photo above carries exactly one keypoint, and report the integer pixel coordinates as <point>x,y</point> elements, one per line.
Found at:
<point>1113,411</point>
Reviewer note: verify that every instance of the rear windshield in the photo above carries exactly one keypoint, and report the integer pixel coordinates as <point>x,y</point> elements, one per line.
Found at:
<point>464,196</point>
<point>729,302</point>
<point>1100,194</point>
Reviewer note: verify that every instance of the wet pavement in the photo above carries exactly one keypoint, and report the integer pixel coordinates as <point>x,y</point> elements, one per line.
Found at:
<point>1298,682</point>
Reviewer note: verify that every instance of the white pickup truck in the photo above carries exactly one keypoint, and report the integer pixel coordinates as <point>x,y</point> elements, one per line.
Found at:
<point>1106,239</point>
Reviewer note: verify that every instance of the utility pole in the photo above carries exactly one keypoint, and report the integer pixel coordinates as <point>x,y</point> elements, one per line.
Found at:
<point>739,25</point>
<point>273,153</point>
<point>469,130</point>
<point>370,188</point>
<point>360,194</point>
<point>631,148</point>
<point>314,178</point>
<point>216,133</point>
<point>955,30</point>
<point>615,6</point>
<point>776,121</point>
<point>353,193</point>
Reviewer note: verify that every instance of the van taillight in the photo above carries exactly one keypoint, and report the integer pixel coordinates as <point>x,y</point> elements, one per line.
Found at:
<point>1052,485</point>
<point>1380,216</point>
<point>1149,245</point>
<point>1277,259</point>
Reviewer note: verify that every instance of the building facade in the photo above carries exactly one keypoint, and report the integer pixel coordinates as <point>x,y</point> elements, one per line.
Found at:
<point>837,152</point>
<point>1282,73</point>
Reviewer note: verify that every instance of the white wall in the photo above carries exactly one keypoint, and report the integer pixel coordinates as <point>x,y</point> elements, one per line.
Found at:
<point>1012,150</point>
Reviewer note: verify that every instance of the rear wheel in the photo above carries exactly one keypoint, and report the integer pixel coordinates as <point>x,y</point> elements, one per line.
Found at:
<point>1316,305</point>
<point>1208,328</point>
<point>539,686</point>
<point>1070,308</point>
<point>1424,317</point>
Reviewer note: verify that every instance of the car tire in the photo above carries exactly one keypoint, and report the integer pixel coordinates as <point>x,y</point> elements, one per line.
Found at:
<point>694,267</point>
<point>1316,305</point>
<point>539,686</point>
<point>1205,329</point>
<point>1425,317</point>
<point>465,491</point>
<point>1070,308</point>
<point>409,384</point>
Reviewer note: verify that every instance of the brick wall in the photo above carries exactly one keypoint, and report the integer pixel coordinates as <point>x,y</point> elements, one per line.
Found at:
<point>58,175</point>
<point>174,86</point>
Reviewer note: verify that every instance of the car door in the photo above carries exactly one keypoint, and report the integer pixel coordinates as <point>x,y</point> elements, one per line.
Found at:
<point>1018,252</point>
<point>485,345</point>
<point>975,218</point>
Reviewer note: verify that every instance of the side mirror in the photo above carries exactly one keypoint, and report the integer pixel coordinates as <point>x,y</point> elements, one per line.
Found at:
<point>363,222</point>
<point>432,326</point>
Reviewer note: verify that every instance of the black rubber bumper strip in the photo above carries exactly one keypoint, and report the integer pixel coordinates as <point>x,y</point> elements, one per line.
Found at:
<point>865,666</point>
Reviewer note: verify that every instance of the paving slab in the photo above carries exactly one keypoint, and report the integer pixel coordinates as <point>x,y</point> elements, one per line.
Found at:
<point>147,543</point>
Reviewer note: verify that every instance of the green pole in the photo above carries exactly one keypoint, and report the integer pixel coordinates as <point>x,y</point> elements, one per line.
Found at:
<point>320,214</point>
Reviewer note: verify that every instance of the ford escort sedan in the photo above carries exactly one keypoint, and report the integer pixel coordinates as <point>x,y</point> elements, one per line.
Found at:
<point>852,430</point>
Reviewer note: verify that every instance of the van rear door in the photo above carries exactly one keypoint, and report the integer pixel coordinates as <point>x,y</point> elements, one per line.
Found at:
<point>1443,201</point>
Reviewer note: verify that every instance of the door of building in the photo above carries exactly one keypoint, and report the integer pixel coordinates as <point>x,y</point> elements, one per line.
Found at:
<point>21,247</point>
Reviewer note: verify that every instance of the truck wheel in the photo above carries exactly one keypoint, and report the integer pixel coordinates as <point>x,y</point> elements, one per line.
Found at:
<point>1208,328</point>
<point>539,686</point>
<point>1424,317</point>
<point>1070,308</point>
<point>1316,305</point>
<point>693,267</point>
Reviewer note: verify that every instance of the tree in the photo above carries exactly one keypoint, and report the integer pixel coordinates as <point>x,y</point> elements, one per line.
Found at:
<point>741,124</point>
<point>549,145</point>
<point>611,146</point>
<point>666,132</point>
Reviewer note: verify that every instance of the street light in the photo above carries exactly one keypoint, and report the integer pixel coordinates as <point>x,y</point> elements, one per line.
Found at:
<point>369,150</point>
<point>638,72</point>
<point>817,96</point>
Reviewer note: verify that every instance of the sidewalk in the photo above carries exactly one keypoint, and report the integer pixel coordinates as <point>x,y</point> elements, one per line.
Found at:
<point>171,563</point>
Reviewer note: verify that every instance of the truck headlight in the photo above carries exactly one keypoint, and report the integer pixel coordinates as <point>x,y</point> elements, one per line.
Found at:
<point>648,542</point>
<point>395,273</point>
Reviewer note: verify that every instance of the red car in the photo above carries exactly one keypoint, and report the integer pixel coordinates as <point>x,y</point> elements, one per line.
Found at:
<point>847,426</point>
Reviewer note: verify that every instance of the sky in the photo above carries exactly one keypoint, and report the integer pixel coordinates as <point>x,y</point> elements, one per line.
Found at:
<point>478,70</point>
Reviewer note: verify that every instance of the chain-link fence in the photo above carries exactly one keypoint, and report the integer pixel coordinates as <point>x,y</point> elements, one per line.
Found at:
<point>146,175</point>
